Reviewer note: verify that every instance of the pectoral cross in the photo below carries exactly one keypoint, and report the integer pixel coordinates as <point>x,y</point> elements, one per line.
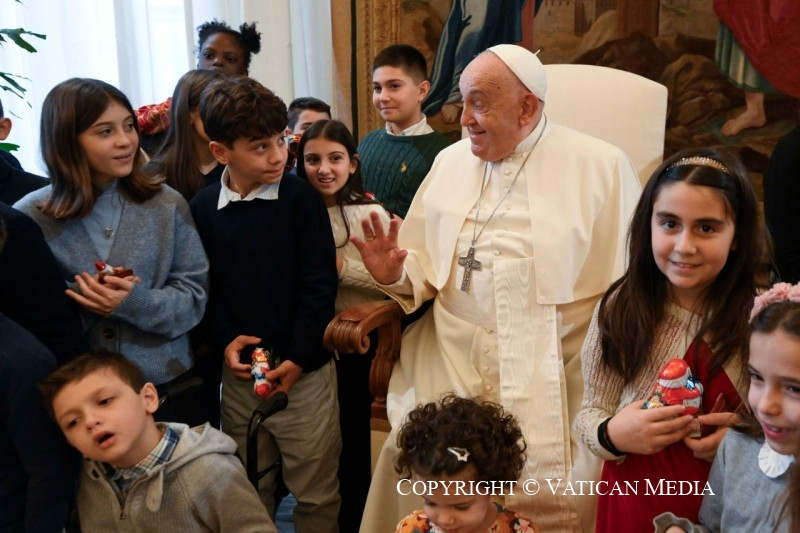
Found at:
<point>469,263</point>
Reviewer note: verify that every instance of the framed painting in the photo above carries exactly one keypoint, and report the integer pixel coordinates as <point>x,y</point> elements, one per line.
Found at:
<point>686,46</point>
<point>673,42</point>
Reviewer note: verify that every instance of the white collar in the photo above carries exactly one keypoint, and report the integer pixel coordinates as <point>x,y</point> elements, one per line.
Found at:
<point>228,195</point>
<point>772,463</point>
<point>420,128</point>
<point>528,142</point>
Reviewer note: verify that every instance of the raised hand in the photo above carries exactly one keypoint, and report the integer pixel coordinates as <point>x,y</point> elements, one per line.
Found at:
<point>379,251</point>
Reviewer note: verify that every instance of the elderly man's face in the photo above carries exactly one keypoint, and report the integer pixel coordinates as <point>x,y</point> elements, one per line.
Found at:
<point>492,108</point>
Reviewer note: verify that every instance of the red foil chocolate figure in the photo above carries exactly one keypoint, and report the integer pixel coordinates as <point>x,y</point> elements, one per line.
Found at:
<point>104,270</point>
<point>261,365</point>
<point>676,386</point>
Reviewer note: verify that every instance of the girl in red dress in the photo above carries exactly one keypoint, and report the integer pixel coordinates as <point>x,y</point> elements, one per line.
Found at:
<point>696,244</point>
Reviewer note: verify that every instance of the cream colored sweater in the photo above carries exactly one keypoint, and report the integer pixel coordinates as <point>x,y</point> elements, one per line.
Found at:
<point>605,392</point>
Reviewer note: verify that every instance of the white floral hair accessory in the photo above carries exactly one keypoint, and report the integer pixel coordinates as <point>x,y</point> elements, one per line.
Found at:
<point>780,292</point>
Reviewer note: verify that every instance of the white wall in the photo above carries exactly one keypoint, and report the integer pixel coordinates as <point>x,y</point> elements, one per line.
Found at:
<point>144,46</point>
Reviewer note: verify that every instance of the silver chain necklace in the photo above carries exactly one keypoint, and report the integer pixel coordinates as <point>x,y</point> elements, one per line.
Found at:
<point>107,230</point>
<point>468,261</point>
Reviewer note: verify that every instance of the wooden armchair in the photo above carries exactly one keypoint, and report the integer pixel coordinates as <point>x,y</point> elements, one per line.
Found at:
<point>622,108</point>
<point>349,332</point>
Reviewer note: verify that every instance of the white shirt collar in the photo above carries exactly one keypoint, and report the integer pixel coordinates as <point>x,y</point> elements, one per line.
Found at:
<point>420,128</point>
<point>772,463</point>
<point>528,142</point>
<point>228,195</point>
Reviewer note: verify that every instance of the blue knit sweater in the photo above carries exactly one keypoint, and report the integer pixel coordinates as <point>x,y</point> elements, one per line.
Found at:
<point>158,240</point>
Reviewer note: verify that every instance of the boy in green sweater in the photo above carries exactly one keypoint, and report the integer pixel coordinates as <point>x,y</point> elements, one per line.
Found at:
<point>395,159</point>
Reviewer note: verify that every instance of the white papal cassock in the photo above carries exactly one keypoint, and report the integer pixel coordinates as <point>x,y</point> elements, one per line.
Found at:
<point>551,249</point>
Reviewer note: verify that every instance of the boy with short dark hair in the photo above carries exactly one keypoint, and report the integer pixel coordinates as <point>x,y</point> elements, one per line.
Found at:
<point>273,284</point>
<point>305,111</point>
<point>143,475</point>
<point>395,159</point>
<point>5,131</point>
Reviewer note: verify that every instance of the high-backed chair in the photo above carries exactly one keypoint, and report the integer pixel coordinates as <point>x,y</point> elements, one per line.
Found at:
<point>622,108</point>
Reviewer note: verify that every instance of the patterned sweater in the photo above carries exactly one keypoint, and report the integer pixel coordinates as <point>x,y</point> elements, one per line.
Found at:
<point>394,166</point>
<point>605,392</point>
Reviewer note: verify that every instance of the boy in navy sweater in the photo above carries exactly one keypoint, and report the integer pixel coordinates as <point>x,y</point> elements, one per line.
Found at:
<point>273,284</point>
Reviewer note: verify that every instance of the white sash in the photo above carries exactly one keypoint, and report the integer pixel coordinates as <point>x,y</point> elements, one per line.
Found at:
<point>533,387</point>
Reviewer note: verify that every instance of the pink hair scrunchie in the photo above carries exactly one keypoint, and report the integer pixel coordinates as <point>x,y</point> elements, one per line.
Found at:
<point>780,292</point>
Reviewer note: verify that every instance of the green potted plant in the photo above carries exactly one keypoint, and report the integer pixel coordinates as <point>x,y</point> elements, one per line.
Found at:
<point>10,83</point>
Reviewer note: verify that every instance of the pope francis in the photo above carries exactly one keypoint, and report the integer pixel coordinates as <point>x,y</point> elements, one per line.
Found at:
<point>515,233</point>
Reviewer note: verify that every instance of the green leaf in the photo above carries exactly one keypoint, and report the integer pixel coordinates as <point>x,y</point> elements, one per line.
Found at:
<point>18,94</point>
<point>16,36</point>
<point>12,86</point>
<point>9,78</point>
<point>12,91</point>
<point>9,147</point>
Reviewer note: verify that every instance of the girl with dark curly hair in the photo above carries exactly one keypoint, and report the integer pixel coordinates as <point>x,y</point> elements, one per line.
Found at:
<point>457,453</point>
<point>220,48</point>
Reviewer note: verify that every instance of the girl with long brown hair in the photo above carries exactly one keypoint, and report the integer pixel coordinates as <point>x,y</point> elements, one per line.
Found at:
<point>696,243</point>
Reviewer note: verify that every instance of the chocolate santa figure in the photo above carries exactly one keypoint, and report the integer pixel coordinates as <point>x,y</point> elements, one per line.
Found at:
<point>104,269</point>
<point>261,365</point>
<point>676,386</point>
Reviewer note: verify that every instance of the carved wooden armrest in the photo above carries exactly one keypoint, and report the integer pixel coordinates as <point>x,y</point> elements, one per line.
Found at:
<point>349,332</point>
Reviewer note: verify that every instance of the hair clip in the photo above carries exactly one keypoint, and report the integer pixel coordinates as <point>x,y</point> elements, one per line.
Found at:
<point>701,162</point>
<point>780,292</point>
<point>462,454</point>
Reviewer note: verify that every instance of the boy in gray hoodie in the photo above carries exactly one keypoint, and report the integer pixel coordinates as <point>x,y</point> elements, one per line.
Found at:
<point>140,475</point>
